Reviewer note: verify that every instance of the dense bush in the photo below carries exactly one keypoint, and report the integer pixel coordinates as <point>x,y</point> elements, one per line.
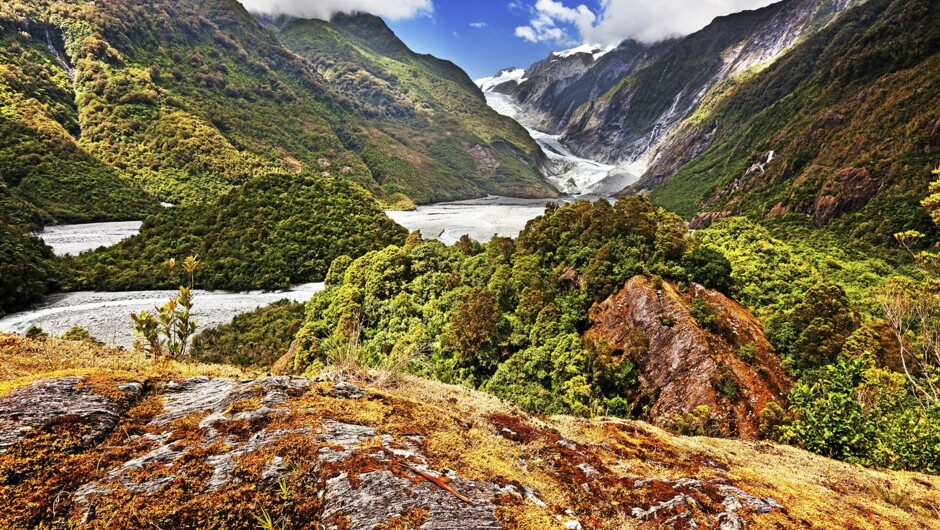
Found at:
<point>255,339</point>
<point>508,316</point>
<point>273,232</point>
<point>27,267</point>
<point>854,411</point>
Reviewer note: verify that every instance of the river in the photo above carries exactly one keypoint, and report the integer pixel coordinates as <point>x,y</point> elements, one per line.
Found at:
<point>107,315</point>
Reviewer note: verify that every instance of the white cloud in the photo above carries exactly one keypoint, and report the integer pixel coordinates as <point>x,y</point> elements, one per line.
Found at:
<point>547,18</point>
<point>616,20</point>
<point>478,25</point>
<point>324,9</point>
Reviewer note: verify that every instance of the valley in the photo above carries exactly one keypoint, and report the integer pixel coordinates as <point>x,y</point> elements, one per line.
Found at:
<point>268,264</point>
<point>571,174</point>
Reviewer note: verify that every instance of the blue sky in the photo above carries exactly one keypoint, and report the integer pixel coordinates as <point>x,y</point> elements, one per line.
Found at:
<point>484,36</point>
<point>479,36</point>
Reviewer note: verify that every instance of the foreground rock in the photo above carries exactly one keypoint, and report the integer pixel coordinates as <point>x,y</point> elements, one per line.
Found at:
<point>287,452</point>
<point>696,347</point>
<point>63,400</point>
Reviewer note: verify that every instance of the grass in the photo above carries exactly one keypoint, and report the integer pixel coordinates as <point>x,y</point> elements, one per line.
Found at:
<point>476,435</point>
<point>349,361</point>
<point>23,361</point>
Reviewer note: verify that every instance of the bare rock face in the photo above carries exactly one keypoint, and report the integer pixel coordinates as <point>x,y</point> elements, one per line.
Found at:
<point>484,157</point>
<point>705,219</point>
<point>844,191</point>
<point>726,364</point>
<point>65,399</point>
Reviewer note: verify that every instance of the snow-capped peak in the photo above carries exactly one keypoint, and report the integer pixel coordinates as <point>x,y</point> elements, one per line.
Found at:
<point>516,75</point>
<point>595,50</point>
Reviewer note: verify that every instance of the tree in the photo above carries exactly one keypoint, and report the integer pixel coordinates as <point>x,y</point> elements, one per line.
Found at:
<point>912,310</point>
<point>167,332</point>
<point>823,321</point>
<point>472,327</point>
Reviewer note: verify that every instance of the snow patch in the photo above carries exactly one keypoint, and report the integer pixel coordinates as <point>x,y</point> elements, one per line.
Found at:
<point>516,75</point>
<point>596,51</point>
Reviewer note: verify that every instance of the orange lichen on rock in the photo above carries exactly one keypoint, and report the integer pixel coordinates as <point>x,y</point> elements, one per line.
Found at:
<point>201,451</point>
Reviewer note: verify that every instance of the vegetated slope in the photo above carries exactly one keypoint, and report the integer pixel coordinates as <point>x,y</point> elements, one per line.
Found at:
<point>274,231</point>
<point>427,131</point>
<point>41,161</point>
<point>26,264</point>
<point>190,99</point>
<point>131,441</point>
<point>257,339</point>
<point>853,118</point>
<point>511,316</point>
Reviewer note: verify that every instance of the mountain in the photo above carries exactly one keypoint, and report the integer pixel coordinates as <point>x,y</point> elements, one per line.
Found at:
<point>425,129</point>
<point>108,439</point>
<point>844,127</point>
<point>625,124</point>
<point>189,99</point>
<point>551,90</point>
<point>109,108</point>
<point>826,110</point>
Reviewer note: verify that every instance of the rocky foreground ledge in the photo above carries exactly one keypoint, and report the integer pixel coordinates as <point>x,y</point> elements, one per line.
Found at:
<point>127,444</point>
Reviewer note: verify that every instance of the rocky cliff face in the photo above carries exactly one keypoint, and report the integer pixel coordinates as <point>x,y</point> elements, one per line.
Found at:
<point>97,438</point>
<point>551,90</point>
<point>626,125</point>
<point>701,349</point>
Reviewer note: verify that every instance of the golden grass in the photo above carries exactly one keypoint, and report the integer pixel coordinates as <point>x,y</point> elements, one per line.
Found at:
<point>24,360</point>
<point>483,438</point>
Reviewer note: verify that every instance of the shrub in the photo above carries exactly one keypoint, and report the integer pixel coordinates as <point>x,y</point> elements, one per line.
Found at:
<point>699,422</point>
<point>78,333</point>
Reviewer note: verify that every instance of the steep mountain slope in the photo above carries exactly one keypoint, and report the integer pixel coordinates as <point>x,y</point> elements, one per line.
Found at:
<point>41,159</point>
<point>624,125</point>
<point>429,133</point>
<point>552,89</point>
<point>848,121</point>
<point>190,99</point>
<point>100,438</point>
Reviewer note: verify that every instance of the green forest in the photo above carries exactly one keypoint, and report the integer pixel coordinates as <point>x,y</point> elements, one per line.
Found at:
<point>510,317</point>
<point>268,149</point>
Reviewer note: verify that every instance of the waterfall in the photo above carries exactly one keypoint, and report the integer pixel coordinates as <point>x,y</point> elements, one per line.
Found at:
<point>65,65</point>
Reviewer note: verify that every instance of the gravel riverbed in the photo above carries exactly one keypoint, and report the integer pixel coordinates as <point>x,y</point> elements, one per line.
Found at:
<point>108,315</point>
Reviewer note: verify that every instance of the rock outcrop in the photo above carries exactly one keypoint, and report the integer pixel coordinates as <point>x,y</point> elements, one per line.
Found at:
<point>66,399</point>
<point>701,349</point>
<point>126,442</point>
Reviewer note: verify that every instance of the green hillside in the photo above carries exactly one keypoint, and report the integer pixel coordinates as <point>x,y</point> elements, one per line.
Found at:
<point>273,232</point>
<point>851,114</point>
<point>428,131</point>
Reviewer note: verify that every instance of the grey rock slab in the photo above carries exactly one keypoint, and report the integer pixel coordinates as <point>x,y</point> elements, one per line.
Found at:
<point>45,401</point>
<point>381,495</point>
<point>202,394</point>
<point>347,391</point>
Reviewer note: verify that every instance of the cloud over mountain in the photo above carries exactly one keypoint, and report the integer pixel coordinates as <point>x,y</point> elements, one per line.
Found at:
<point>553,21</point>
<point>324,9</point>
